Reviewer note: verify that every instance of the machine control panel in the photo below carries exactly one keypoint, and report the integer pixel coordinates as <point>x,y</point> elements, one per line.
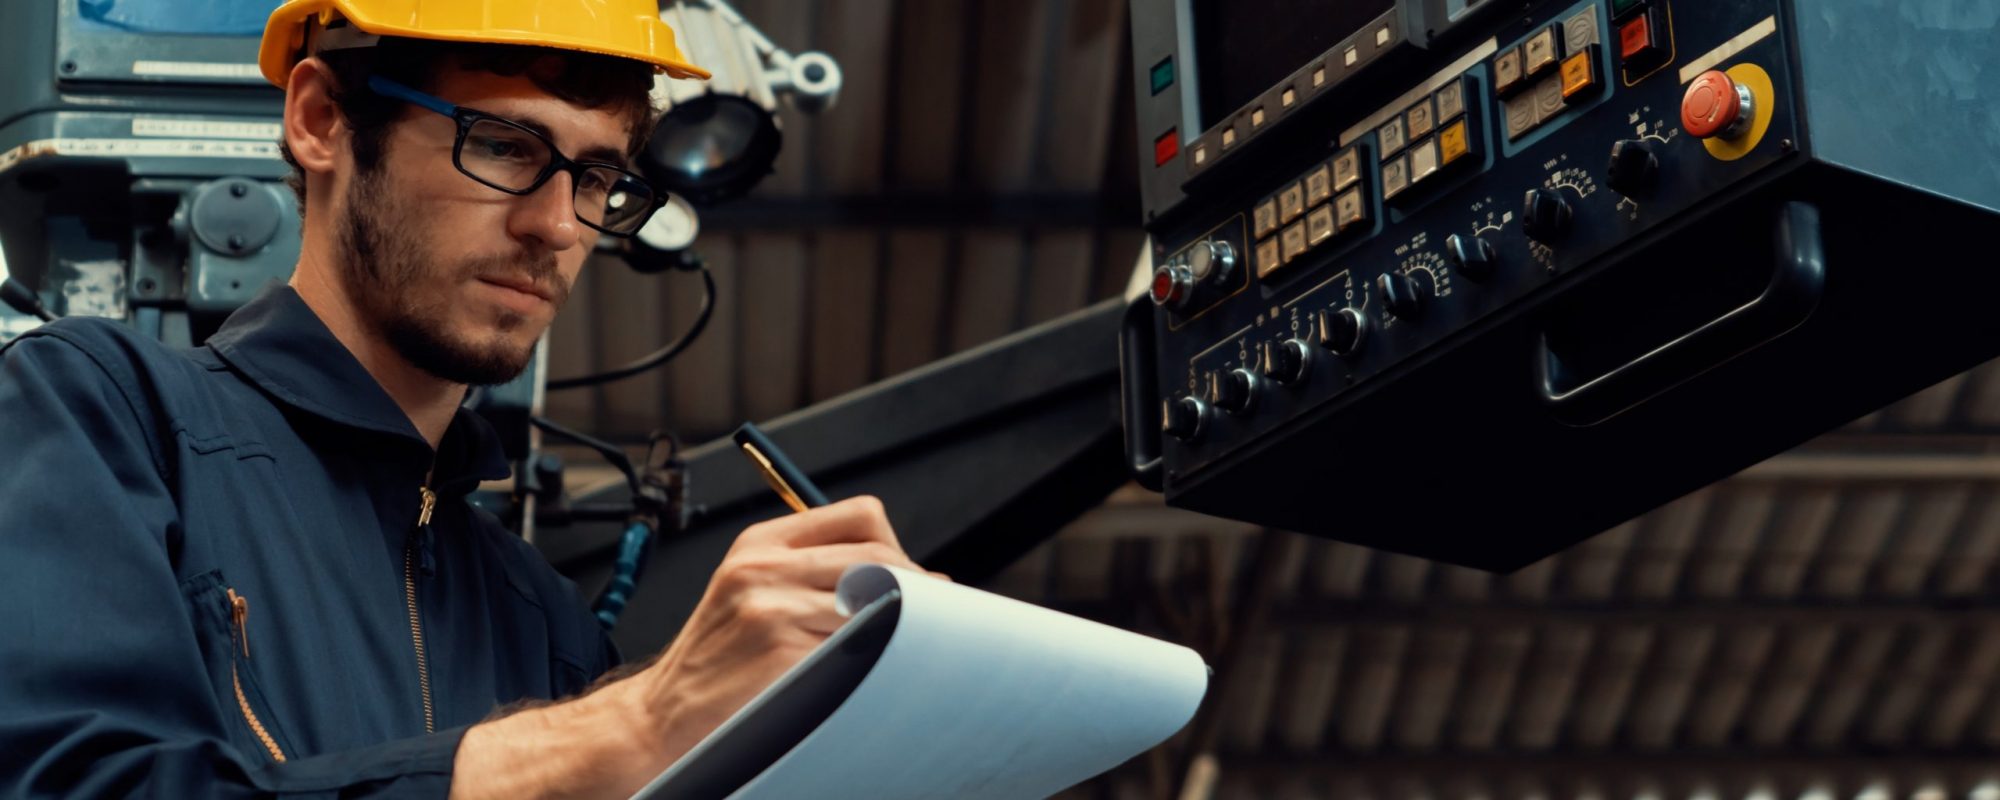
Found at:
<point>1531,153</point>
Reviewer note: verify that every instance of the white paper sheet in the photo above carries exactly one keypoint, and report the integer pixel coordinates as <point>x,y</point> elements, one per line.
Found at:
<point>973,696</point>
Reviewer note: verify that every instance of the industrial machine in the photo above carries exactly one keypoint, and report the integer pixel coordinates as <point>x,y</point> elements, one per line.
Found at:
<point>1474,280</point>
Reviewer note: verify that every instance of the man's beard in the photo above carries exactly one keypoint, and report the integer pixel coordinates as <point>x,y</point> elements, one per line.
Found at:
<point>402,297</point>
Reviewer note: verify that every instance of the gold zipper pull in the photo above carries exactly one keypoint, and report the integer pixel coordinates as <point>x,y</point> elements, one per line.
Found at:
<point>239,612</point>
<point>430,501</point>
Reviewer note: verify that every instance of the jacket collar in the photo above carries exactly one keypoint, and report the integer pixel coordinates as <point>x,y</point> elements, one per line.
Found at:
<point>279,344</point>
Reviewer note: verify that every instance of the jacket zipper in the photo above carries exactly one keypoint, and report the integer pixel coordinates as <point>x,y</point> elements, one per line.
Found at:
<point>429,503</point>
<point>239,614</point>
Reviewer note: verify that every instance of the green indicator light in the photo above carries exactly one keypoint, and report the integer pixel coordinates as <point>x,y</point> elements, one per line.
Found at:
<point>1163,74</point>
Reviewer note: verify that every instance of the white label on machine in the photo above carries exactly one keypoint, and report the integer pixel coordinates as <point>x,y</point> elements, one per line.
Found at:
<point>195,69</point>
<point>1729,49</point>
<point>205,129</point>
<point>138,148</point>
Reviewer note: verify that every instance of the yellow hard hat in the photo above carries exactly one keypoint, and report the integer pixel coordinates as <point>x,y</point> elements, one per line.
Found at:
<point>626,28</point>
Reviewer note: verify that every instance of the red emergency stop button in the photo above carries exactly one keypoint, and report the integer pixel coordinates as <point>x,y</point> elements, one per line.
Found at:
<point>1715,106</point>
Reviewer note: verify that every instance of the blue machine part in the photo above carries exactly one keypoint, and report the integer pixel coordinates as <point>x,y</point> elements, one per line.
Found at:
<point>177,17</point>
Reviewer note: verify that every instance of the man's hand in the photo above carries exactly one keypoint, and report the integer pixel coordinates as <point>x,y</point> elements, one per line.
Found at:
<point>770,603</point>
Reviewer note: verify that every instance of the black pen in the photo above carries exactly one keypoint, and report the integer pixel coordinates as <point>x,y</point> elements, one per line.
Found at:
<point>793,486</point>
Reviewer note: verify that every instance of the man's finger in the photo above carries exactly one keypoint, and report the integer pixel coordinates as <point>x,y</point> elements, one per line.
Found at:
<point>821,567</point>
<point>856,519</point>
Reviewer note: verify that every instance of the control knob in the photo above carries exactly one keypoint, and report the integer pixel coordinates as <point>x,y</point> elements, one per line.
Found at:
<point>1184,418</point>
<point>1634,170</point>
<point>1288,362</point>
<point>1474,256</point>
<point>1545,216</point>
<point>1400,295</point>
<point>1341,331</point>
<point>1236,391</point>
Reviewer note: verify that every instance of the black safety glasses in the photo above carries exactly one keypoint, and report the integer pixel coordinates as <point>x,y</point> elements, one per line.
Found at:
<point>516,159</point>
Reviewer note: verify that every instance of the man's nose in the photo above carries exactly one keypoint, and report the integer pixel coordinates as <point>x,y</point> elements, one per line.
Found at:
<point>546,217</point>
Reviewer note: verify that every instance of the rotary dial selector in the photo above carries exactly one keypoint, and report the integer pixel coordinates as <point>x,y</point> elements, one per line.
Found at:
<point>1288,362</point>
<point>1401,295</point>
<point>1212,260</point>
<point>1634,170</point>
<point>1340,332</point>
<point>1545,216</point>
<point>1184,418</point>
<point>1474,257</point>
<point>1236,391</point>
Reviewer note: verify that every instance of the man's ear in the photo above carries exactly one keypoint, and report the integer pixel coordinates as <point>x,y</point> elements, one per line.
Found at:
<point>314,128</point>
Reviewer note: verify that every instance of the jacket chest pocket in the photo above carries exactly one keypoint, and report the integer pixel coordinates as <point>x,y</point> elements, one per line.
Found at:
<point>221,620</point>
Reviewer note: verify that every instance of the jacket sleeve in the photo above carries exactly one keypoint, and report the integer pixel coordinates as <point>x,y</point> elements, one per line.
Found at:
<point>105,691</point>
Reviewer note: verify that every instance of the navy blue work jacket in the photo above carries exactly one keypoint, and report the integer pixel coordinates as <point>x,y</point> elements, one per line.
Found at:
<point>214,581</point>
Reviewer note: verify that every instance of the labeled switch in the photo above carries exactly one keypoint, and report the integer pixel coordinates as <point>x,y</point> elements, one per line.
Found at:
<point>1395,177</point>
<point>1265,218</point>
<point>1350,210</point>
<point>1346,169</point>
<point>1579,75</point>
<point>1642,44</point>
<point>1166,147</point>
<point>1451,101</point>
<point>1291,203</point>
<point>1293,241</point>
<point>1540,52</point>
<point>1423,160</point>
<point>1420,118</point>
<point>1392,136</point>
<point>1319,225</point>
<point>1319,185</point>
<point>1269,257</point>
<point>1454,143</point>
<point>1507,73</point>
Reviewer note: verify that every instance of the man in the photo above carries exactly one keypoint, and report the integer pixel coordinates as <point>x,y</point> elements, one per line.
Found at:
<point>249,568</point>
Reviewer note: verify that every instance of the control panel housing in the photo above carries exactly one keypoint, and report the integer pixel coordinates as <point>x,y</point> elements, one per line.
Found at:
<point>1557,267</point>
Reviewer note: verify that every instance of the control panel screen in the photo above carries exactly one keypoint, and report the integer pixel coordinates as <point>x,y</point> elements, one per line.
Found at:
<point>1244,47</point>
<point>199,17</point>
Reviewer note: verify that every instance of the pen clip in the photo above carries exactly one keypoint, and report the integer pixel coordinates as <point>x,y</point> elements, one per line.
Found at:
<point>771,477</point>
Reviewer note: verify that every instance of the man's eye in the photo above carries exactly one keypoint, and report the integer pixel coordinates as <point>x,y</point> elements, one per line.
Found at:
<point>497,148</point>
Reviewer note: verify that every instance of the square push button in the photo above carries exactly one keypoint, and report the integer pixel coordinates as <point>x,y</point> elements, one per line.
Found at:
<point>1395,177</point>
<point>1291,203</point>
<point>1451,101</point>
<point>1453,143</point>
<point>1423,160</point>
<point>1293,241</point>
<point>1268,257</point>
<point>1319,185</point>
<point>1350,210</point>
<point>1163,75</point>
<point>1579,75</point>
<point>1392,136</point>
<point>1507,75</point>
<point>1346,169</point>
<point>1541,52</point>
<point>1166,147</point>
<point>1642,41</point>
<point>1319,226</point>
<point>1265,218</point>
<point>1420,119</point>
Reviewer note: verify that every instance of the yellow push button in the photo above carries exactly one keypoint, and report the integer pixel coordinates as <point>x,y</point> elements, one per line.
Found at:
<point>1452,143</point>
<point>1579,74</point>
